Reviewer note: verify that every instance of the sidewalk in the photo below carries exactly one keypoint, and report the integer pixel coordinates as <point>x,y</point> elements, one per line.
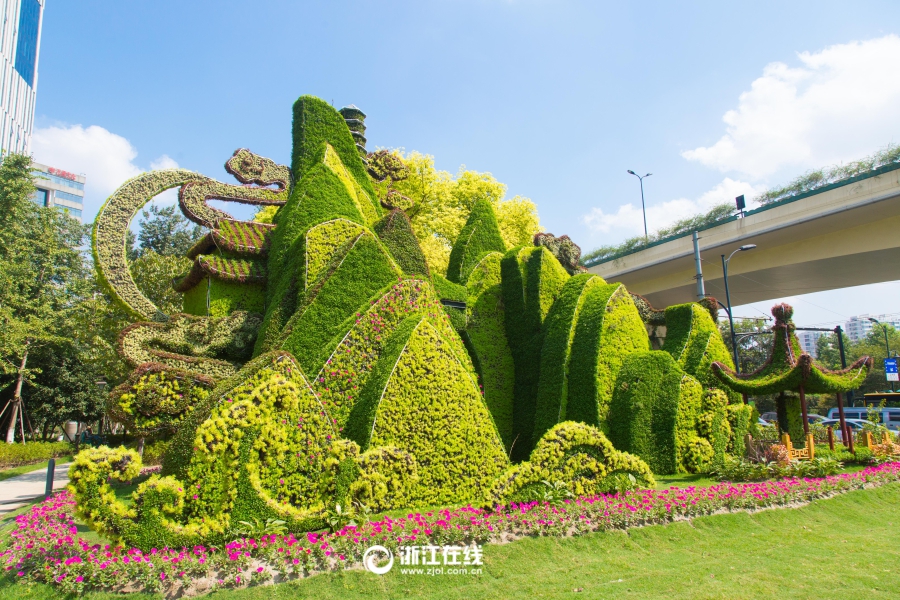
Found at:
<point>17,491</point>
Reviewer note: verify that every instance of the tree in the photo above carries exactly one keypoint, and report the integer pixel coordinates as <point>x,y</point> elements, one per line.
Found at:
<point>442,204</point>
<point>873,345</point>
<point>828,352</point>
<point>153,273</point>
<point>43,276</point>
<point>166,232</point>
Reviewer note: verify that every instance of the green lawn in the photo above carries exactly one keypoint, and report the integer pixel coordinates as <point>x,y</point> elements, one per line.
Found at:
<point>7,473</point>
<point>845,547</point>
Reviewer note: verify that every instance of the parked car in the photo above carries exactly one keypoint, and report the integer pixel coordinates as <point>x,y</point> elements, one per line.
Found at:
<point>763,423</point>
<point>769,417</point>
<point>889,417</point>
<point>856,425</point>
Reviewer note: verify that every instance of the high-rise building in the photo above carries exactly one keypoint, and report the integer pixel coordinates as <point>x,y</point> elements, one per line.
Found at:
<point>808,341</point>
<point>59,188</point>
<point>859,326</point>
<point>20,42</point>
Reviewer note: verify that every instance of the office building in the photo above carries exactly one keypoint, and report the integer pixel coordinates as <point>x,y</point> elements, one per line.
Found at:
<point>20,42</point>
<point>859,326</point>
<point>808,340</point>
<point>59,188</point>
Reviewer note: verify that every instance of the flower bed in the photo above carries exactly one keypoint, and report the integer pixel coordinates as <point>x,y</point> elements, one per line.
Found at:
<point>45,546</point>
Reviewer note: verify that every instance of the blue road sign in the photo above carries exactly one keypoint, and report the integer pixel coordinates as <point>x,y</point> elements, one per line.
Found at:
<point>890,369</point>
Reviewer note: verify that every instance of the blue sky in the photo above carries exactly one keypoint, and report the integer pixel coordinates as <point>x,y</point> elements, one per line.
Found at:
<point>556,99</point>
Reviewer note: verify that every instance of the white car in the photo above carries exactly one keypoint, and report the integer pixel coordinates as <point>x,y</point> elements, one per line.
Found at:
<point>856,425</point>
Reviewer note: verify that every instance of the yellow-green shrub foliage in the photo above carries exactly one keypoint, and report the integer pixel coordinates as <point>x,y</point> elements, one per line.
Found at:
<point>341,379</point>
<point>324,241</point>
<point>576,454</point>
<point>421,399</point>
<point>713,425</point>
<point>262,453</point>
<point>387,476</point>
<point>447,290</point>
<point>740,417</point>
<point>156,399</point>
<point>609,329</point>
<point>480,236</point>
<point>790,418</point>
<point>694,341</point>
<point>559,330</point>
<point>214,347</point>
<point>350,280</point>
<point>532,279</point>
<point>486,337</point>
<point>395,232</point>
<point>654,409</point>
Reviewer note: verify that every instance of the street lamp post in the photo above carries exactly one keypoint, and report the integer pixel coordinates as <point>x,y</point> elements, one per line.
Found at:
<point>643,206</point>
<point>737,364</point>
<point>887,344</point>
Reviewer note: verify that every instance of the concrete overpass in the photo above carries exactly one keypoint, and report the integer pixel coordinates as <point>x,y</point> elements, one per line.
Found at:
<point>842,235</point>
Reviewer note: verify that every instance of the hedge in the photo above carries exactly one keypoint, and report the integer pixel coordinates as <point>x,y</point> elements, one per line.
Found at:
<point>395,232</point>
<point>714,425</point>
<point>214,347</point>
<point>694,341</point>
<point>349,281</point>
<point>15,455</point>
<point>654,410</point>
<point>790,418</point>
<point>316,124</point>
<point>326,240</point>
<point>576,455</point>
<point>740,417</point>
<point>608,330</point>
<point>486,337</point>
<point>260,454</point>
<point>531,280</point>
<point>479,236</point>
<point>559,329</point>
<point>435,414</point>
<point>355,354</point>
<point>156,399</point>
<point>447,290</point>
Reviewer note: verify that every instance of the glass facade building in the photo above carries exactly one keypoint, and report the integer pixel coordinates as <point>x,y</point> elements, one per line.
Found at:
<point>20,44</point>
<point>58,188</point>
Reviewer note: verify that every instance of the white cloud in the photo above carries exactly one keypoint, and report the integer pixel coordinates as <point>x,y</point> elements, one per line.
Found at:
<point>628,220</point>
<point>107,160</point>
<point>839,105</point>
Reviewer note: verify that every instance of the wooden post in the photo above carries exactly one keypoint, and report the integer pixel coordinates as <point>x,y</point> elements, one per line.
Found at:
<point>840,404</point>
<point>830,438</point>
<point>848,435</point>
<point>811,445</point>
<point>803,410</point>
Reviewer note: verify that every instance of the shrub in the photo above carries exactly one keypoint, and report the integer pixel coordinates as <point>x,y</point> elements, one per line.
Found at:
<point>395,232</point>
<point>559,329</point>
<point>531,281</point>
<point>694,341</point>
<point>261,454</point>
<point>486,338</point>
<point>437,415</point>
<point>479,236</point>
<point>388,475</point>
<point>156,399</point>
<point>609,329</point>
<point>790,419</point>
<point>448,290</point>
<point>15,455</point>
<point>577,455</point>
<point>740,416</point>
<point>653,413</point>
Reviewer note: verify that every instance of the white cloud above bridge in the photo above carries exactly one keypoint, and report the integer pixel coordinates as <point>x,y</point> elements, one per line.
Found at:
<point>838,105</point>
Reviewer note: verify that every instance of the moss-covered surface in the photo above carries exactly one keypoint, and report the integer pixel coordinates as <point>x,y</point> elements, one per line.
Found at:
<point>395,232</point>
<point>694,341</point>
